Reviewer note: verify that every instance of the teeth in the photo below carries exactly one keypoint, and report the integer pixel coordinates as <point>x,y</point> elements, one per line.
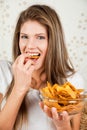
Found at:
<point>34,56</point>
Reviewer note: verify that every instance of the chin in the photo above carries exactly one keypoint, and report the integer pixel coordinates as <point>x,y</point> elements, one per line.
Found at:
<point>38,67</point>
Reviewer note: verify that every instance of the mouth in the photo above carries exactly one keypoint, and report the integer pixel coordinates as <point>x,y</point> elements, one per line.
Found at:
<point>34,56</point>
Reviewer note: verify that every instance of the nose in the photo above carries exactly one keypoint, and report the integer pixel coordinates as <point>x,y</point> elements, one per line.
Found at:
<point>31,43</point>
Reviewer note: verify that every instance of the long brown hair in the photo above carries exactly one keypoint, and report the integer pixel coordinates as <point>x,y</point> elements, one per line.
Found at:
<point>57,63</point>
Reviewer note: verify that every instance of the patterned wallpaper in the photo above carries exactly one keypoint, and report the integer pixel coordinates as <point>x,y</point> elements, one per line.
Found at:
<point>73,14</point>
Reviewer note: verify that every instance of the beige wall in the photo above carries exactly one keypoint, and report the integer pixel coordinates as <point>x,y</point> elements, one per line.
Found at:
<point>73,14</point>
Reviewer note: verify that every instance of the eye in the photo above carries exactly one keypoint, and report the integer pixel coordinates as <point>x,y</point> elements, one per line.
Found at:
<point>24,36</point>
<point>41,37</point>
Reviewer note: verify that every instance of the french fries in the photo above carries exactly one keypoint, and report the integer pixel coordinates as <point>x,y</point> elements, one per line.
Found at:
<point>34,56</point>
<point>64,97</point>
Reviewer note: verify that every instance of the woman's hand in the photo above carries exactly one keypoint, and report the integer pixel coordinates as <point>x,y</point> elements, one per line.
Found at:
<point>22,72</point>
<point>61,121</point>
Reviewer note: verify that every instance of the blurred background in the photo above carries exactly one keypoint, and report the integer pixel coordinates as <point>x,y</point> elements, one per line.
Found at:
<point>73,15</point>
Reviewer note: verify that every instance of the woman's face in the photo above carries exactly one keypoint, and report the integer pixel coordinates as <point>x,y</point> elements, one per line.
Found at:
<point>34,41</point>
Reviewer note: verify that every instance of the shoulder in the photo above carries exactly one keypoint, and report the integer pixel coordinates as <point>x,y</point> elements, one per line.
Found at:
<point>5,75</point>
<point>77,80</point>
<point>5,63</point>
<point>5,67</point>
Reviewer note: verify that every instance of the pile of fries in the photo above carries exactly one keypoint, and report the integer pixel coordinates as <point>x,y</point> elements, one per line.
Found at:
<point>64,97</point>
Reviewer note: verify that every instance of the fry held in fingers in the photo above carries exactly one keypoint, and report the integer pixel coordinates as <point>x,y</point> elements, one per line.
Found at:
<point>34,56</point>
<point>31,57</point>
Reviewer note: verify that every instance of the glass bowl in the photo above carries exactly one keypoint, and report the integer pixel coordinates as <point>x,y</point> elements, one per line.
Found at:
<point>72,106</point>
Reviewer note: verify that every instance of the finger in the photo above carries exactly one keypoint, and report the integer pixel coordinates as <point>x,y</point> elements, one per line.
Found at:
<point>47,111</point>
<point>28,57</point>
<point>16,61</point>
<point>65,115</point>
<point>20,59</point>
<point>41,105</point>
<point>28,64</point>
<point>54,113</point>
<point>14,65</point>
<point>30,69</point>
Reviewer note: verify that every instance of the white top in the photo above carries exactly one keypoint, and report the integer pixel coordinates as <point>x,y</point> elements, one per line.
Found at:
<point>37,118</point>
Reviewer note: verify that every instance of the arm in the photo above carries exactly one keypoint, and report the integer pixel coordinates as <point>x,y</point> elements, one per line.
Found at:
<point>22,80</point>
<point>76,121</point>
<point>9,112</point>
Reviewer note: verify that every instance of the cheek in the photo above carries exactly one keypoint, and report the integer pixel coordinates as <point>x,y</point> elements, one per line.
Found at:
<point>45,48</point>
<point>22,47</point>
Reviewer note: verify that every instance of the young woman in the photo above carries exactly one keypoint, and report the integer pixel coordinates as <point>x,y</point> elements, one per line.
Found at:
<point>38,34</point>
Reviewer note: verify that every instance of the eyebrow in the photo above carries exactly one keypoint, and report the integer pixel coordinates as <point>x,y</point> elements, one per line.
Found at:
<point>35,34</point>
<point>23,33</point>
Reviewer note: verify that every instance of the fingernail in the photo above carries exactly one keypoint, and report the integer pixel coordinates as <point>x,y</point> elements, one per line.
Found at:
<point>53,109</point>
<point>45,107</point>
<point>65,113</point>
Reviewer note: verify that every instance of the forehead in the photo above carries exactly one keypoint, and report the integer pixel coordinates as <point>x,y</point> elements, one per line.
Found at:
<point>33,26</point>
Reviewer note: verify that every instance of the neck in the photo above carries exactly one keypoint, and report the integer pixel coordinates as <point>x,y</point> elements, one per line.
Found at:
<point>37,74</point>
<point>38,79</point>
